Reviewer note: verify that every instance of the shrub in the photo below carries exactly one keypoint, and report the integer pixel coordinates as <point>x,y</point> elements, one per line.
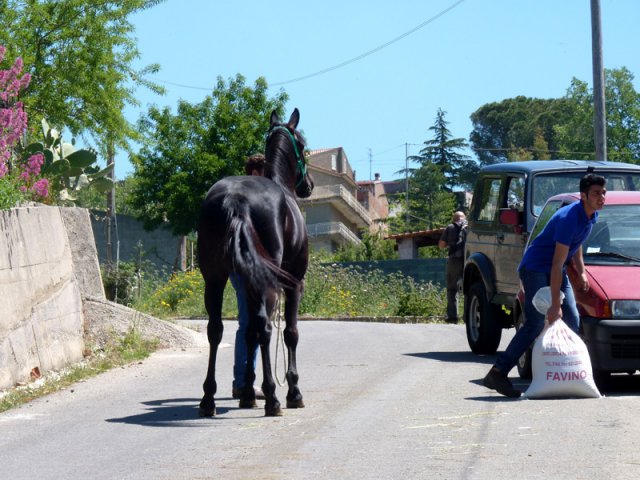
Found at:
<point>330,290</point>
<point>334,290</point>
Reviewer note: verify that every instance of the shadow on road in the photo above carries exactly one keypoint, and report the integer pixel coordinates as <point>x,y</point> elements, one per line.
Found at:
<point>454,357</point>
<point>173,412</point>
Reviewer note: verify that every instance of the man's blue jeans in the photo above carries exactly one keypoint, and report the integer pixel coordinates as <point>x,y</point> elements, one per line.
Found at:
<point>241,349</point>
<point>534,320</point>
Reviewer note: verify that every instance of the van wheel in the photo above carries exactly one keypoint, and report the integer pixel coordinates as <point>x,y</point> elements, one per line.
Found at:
<point>524,362</point>
<point>482,320</point>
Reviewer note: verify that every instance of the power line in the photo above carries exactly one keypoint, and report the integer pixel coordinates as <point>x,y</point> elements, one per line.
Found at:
<point>372,51</point>
<point>340,65</point>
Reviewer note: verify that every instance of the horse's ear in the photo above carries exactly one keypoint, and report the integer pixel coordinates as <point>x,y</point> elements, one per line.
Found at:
<point>294,119</point>
<point>274,118</point>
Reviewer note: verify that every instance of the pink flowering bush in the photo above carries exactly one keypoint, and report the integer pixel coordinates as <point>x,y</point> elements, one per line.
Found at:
<point>20,179</point>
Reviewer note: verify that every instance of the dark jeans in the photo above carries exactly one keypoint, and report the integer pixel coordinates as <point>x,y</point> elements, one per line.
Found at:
<point>455,266</point>
<point>534,320</point>
<point>241,349</point>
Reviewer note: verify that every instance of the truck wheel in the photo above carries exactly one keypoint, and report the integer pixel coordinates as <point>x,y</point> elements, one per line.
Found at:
<point>602,379</point>
<point>524,362</point>
<point>482,320</point>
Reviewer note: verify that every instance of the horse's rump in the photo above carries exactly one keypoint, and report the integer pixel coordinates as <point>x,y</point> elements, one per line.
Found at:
<point>245,217</point>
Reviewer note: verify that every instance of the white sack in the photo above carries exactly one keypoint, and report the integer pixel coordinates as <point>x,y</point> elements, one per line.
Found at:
<point>561,365</point>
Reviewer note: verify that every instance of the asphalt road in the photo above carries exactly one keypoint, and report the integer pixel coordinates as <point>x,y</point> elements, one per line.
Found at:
<point>383,401</point>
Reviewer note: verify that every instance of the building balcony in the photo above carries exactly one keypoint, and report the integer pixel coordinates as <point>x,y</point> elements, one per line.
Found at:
<point>342,200</point>
<point>335,231</point>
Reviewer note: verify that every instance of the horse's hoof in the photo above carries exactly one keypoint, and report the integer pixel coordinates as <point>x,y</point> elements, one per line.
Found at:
<point>207,412</point>
<point>247,403</point>
<point>296,403</point>
<point>272,409</point>
<point>273,412</point>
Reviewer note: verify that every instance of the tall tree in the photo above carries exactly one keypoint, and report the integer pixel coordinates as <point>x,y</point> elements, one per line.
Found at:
<point>79,55</point>
<point>576,135</point>
<point>519,128</point>
<point>440,169</point>
<point>184,154</point>
<point>529,128</point>
<point>441,150</point>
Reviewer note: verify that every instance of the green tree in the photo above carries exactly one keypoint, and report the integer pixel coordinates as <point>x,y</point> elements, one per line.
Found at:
<point>80,56</point>
<point>622,103</point>
<point>184,154</point>
<point>518,128</point>
<point>441,150</point>
<point>430,204</point>
<point>524,128</point>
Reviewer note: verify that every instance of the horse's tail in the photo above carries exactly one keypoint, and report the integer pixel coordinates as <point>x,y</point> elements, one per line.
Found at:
<point>249,257</point>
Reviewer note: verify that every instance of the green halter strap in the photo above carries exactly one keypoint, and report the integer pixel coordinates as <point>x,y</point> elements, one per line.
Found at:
<point>302,166</point>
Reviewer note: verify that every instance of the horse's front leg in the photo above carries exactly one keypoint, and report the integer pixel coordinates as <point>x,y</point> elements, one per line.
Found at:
<point>213,303</point>
<point>292,301</point>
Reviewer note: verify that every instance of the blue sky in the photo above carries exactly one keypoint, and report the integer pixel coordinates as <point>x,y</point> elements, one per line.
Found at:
<point>476,52</point>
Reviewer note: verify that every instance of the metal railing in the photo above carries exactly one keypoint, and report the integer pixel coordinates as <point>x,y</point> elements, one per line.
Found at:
<point>332,228</point>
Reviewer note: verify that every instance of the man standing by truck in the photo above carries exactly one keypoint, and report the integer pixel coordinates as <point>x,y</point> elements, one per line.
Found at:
<point>544,264</point>
<point>453,238</point>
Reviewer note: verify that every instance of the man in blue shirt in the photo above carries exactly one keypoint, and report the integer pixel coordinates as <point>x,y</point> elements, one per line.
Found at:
<point>544,264</point>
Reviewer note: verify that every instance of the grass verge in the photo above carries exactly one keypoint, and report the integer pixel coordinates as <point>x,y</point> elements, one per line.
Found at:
<point>117,352</point>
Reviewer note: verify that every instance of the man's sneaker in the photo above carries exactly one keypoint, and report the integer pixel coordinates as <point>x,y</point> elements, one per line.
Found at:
<point>498,381</point>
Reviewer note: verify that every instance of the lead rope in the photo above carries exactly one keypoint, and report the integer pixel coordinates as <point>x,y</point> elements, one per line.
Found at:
<point>279,341</point>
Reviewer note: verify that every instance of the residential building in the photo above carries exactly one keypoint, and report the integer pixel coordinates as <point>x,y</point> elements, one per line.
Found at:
<point>333,214</point>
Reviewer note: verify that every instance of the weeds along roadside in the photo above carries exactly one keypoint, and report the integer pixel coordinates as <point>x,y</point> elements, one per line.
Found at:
<point>117,352</point>
<point>331,290</point>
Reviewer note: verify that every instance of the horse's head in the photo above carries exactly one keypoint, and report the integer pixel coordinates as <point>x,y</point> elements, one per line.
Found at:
<point>285,162</point>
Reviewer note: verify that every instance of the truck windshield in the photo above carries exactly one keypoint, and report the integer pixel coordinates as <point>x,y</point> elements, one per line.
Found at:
<point>546,185</point>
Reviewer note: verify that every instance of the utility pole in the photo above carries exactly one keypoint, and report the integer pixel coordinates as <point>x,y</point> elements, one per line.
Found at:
<point>370,177</point>
<point>599,111</point>
<point>406,180</point>
<point>111,205</point>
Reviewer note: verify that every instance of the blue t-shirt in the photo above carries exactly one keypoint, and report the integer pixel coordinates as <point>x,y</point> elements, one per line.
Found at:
<point>568,226</point>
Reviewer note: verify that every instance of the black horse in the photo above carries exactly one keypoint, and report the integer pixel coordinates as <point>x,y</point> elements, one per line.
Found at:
<point>252,226</point>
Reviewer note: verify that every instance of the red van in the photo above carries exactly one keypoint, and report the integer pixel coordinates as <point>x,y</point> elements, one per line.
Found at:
<point>610,310</point>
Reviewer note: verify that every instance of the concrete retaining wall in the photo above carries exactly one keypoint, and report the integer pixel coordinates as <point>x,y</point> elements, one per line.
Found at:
<point>41,317</point>
<point>52,298</point>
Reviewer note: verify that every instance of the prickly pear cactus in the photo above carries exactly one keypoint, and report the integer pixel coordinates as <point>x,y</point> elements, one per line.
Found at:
<point>69,170</point>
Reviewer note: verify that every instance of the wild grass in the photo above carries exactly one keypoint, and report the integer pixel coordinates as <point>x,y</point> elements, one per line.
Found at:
<point>117,352</point>
<point>330,290</point>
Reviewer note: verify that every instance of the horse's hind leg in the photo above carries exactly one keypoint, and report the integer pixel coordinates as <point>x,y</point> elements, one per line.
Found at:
<point>213,303</point>
<point>272,406</point>
<point>294,396</point>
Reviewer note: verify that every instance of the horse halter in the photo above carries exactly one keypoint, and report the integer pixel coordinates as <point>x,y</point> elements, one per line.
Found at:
<point>301,165</point>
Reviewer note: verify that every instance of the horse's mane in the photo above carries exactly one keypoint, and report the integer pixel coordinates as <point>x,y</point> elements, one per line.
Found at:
<point>280,156</point>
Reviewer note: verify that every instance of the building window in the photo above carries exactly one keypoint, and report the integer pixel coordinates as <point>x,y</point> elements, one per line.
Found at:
<point>334,162</point>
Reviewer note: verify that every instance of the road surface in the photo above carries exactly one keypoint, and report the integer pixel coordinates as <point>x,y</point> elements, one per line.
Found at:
<point>383,401</point>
